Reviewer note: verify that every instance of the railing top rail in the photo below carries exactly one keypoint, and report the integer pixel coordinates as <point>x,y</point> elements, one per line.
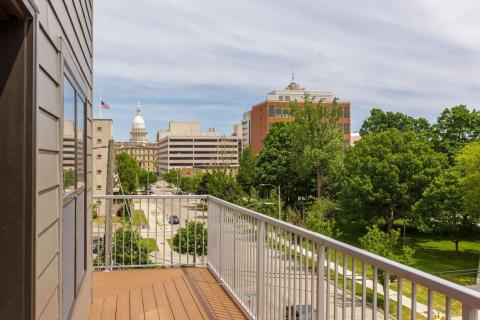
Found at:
<point>465,295</point>
<point>153,196</point>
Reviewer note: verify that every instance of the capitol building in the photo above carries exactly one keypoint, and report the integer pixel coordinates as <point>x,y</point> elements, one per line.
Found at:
<point>144,151</point>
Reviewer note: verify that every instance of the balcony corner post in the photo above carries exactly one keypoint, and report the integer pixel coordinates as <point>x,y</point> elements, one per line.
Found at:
<point>260,269</point>
<point>469,313</point>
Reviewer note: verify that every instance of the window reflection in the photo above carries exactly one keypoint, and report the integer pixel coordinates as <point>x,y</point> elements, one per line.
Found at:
<point>69,176</point>
<point>80,142</point>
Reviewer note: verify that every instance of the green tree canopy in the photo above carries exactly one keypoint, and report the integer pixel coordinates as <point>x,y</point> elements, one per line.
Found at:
<point>220,184</point>
<point>443,207</point>
<point>128,171</point>
<point>386,173</point>
<point>146,177</point>
<point>321,217</point>
<point>277,164</point>
<point>454,128</point>
<point>318,140</point>
<point>380,120</point>
<point>192,239</point>
<point>469,163</point>
<point>246,170</point>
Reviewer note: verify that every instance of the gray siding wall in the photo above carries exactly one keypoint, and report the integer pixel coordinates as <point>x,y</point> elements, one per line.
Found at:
<point>64,36</point>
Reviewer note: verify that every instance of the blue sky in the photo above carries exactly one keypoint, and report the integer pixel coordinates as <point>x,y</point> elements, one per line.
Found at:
<point>210,61</point>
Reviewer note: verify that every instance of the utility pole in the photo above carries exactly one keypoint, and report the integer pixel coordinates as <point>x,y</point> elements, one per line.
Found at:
<point>108,206</point>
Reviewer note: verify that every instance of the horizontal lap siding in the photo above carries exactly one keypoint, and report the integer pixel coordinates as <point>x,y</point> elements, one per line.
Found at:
<point>64,35</point>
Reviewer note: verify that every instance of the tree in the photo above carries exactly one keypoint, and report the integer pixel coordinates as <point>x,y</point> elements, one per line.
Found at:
<point>146,177</point>
<point>443,207</point>
<point>277,164</point>
<point>454,128</point>
<point>380,120</point>
<point>385,244</point>
<point>321,217</point>
<point>192,239</point>
<point>128,248</point>
<point>469,163</point>
<point>221,185</point>
<point>246,170</point>
<point>318,140</point>
<point>172,176</point>
<point>386,173</point>
<point>128,170</point>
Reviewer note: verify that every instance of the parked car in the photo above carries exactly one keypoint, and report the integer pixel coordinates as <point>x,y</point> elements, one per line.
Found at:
<point>177,192</point>
<point>173,219</point>
<point>299,312</point>
<point>151,192</point>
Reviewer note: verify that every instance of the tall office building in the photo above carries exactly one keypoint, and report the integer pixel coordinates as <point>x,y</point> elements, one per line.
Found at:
<point>275,108</point>
<point>102,134</point>
<point>184,147</point>
<point>246,129</point>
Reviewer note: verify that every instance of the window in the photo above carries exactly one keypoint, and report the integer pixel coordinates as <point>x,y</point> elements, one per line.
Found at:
<point>99,187</point>
<point>270,125</point>
<point>280,98</point>
<point>278,112</point>
<point>99,140</point>
<point>73,139</point>
<point>99,171</point>
<point>287,98</point>
<point>346,112</point>
<point>271,111</point>
<point>99,156</point>
<point>346,128</point>
<point>74,203</point>
<point>99,128</point>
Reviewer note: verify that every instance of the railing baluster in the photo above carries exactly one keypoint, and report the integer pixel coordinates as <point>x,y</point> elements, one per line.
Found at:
<point>399,298</point>
<point>448,308</point>
<point>320,282</point>
<point>353,286</point>
<point>294,277</point>
<point>386,295</point>
<point>344,290</point>
<point>375,283</point>
<point>430,304</point>
<point>364,291</point>
<point>413,308</point>
<point>335,288</point>
<point>260,270</point>
<point>327,295</point>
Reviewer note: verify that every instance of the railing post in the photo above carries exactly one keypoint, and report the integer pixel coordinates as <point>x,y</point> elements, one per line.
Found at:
<point>108,235</point>
<point>260,269</point>
<point>469,313</point>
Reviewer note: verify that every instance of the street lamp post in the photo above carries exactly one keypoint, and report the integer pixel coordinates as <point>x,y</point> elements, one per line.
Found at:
<point>279,198</point>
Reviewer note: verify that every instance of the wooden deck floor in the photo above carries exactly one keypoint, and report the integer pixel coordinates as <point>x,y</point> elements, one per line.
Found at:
<point>191,293</point>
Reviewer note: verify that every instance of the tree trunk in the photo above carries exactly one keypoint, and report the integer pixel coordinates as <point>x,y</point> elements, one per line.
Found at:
<point>319,183</point>
<point>456,246</point>
<point>389,216</point>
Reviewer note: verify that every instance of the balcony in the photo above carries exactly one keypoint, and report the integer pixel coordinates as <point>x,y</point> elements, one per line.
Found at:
<point>245,264</point>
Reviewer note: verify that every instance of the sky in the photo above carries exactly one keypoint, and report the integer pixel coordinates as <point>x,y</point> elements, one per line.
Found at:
<point>210,61</point>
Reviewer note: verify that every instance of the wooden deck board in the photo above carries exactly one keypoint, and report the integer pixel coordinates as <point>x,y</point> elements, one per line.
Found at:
<point>191,293</point>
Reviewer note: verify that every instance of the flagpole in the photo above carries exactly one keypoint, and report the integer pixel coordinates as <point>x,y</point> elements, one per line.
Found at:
<point>100,104</point>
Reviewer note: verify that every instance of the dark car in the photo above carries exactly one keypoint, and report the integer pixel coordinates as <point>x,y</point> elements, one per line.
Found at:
<point>299,312</point>
<point>151,192</point>
<point>177,192</point>
<point>173,219</point>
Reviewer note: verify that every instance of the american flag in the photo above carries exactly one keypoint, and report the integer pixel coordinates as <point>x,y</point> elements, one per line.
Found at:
<point>104,105</point>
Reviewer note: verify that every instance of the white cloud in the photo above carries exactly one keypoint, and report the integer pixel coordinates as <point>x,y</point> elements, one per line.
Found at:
<point>411,56</point>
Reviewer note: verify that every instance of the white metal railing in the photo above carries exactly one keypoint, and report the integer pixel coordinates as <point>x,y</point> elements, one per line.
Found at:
<point>140,231</point>
<point>274,270</point>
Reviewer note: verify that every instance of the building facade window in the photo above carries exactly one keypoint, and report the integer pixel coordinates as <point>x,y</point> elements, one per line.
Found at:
<point>280,98</point>
<point>287,98</point>
<point>99,129</point>
<point>99,156</point>
<point>346,128</point>
<point>346,112</point>
<point>99,171</point>
<point>99,187</point>
<point>271,111</point>
<point>99,140</point>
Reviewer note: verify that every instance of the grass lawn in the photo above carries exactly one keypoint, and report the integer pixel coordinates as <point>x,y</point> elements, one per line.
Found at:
<point>433,255</point>
<point>138,217</point>
<point>150,244</point>
<point>170,243</point>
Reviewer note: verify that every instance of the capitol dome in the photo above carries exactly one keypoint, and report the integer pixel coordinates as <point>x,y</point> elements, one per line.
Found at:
<point>139,132</point>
